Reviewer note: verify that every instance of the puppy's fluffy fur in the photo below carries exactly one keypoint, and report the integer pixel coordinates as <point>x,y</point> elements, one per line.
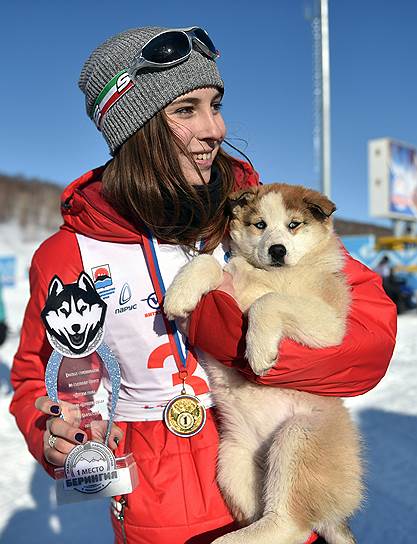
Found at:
<point>289,461</point>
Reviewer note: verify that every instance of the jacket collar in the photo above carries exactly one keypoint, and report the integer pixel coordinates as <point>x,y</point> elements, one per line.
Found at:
<point>85,211</point>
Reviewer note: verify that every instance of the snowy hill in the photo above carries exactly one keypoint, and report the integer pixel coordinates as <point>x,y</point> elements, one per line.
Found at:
<point>29,202</point>
<point>387,416</point>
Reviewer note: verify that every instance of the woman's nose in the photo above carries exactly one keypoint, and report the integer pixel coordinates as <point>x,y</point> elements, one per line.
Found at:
<point>212,127</point>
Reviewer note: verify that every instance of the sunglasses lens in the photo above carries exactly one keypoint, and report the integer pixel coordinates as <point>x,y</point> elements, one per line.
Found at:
<point>203,37</point>
<point>167,47</point>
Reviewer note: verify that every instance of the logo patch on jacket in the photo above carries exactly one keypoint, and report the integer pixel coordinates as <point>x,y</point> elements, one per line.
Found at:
<point>125,294</point>
<point>152,301</point>
<point>74,316</point>
<point>103,280</point>
<point>125,297</point>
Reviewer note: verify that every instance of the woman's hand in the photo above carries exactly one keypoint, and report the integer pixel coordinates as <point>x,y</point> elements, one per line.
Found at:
<point>67,432</point>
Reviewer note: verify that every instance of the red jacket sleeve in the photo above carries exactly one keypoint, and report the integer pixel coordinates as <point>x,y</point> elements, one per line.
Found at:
<point>28,370</point>
<point>245,175</point>
<point>354,367</point>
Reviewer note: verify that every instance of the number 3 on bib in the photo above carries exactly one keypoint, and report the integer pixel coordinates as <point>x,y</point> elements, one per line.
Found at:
<point>158,357</point>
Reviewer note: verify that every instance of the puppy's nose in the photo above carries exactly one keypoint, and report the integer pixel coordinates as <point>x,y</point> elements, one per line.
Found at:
<point>76,328</point>
<point>277,252</point>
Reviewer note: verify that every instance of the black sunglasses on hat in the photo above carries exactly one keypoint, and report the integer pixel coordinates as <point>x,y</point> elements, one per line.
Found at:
<point>172,47</point>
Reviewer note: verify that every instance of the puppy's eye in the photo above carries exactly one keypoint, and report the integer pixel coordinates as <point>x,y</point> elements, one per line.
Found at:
<point>65,312</point>
<point>261,225</point>
<point>82,309</point>
<point>293,225</point>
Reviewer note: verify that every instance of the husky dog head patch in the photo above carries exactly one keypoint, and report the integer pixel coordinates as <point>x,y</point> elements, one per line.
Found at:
<point>74,316</point>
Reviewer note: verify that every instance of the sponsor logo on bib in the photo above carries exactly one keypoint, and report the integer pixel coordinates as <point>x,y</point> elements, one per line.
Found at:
<point>125,297</point>
<point>103,280</point>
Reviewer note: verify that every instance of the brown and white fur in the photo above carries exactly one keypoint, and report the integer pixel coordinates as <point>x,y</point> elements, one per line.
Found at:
<point>289,461</point>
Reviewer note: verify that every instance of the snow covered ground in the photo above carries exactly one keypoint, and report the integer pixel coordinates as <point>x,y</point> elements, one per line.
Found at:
<point>387,416</point>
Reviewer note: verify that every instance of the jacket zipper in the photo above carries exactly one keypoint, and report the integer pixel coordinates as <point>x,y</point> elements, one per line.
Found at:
<point>120,516</point>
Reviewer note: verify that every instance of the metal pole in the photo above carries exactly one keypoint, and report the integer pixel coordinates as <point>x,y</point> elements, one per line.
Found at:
<point>325,66</point>
<point>317,92</point>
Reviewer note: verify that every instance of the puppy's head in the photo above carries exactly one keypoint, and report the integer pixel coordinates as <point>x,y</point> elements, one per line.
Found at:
<point>277,225</point>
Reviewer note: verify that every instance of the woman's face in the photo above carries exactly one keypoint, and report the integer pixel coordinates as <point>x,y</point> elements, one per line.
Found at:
<point>196,119</point>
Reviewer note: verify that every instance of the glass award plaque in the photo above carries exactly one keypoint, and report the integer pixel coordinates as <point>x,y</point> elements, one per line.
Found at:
<point>83,376</point>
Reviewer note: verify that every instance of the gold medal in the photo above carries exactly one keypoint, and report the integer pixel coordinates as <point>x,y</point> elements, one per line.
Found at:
<point>185,415</point>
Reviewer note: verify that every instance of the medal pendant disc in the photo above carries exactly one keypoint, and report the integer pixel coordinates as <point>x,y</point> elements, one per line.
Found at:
<point>185,415</point>
<point>90,468</point>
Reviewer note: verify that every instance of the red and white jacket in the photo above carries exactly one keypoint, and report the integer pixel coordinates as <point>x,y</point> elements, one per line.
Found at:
<point>177,500</point>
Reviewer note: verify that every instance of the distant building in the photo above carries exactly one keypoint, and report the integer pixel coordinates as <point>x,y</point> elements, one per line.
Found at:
<point>343,227</point>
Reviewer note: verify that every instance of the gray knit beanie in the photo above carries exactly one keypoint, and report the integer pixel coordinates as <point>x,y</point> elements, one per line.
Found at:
<point>152,89</point>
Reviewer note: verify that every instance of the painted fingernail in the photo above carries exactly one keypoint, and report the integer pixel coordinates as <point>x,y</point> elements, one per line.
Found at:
<point>79,437</point>
<point>54,410</point>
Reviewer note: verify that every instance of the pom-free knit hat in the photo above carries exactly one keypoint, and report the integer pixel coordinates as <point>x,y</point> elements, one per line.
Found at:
<point>151,90</point>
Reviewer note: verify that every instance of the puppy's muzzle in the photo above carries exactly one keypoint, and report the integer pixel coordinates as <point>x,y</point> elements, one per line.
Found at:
<point>277,253</point>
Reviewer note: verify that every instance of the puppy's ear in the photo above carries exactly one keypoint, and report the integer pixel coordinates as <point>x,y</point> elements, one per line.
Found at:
<point>318,204</point>
<point>240,199</point>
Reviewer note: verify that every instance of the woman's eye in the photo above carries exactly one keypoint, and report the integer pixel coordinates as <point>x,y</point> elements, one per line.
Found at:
<point>185,110</point>
<point>293,225</point>
<point>261,225</point>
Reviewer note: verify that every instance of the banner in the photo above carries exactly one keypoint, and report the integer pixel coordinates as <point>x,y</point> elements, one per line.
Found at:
<point>392,179</point>
<point>8,271</point>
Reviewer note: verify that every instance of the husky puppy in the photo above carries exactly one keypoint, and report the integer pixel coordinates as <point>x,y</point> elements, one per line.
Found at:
<point>289,461</point>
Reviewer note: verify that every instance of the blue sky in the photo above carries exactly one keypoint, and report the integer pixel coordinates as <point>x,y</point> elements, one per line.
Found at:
<point>266,63</point>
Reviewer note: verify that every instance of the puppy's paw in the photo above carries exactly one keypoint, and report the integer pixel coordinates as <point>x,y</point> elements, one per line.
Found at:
<point>178,304</point>
<point>195,279</point>
<point>261,353</point>
<point>263,336</point>
<point>239,517</point>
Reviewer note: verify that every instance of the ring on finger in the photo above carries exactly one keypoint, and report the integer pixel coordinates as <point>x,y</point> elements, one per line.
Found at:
<point>51,440</point>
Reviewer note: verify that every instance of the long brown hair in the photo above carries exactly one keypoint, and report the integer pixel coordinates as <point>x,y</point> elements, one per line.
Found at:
<point>145,184</point>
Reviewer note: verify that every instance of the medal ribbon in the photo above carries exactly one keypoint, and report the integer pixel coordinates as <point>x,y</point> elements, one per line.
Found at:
<point>184,415</point>
<point>151,258</point>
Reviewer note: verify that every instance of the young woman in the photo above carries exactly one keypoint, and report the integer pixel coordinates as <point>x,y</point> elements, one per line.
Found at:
<point>155,94</point>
